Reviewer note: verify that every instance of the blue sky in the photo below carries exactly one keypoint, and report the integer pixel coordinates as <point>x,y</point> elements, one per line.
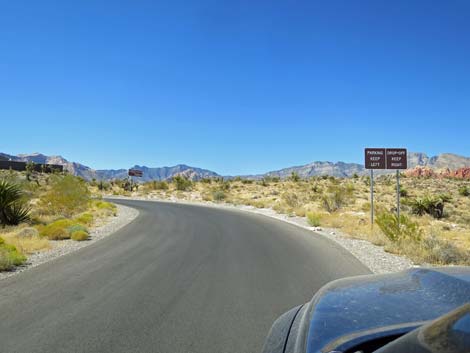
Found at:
<point>233,86</point>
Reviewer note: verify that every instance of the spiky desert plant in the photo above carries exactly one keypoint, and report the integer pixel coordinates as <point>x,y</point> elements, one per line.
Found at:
<point>12,209</point>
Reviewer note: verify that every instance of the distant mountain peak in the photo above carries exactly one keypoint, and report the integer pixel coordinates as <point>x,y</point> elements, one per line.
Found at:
<point>449,161</point>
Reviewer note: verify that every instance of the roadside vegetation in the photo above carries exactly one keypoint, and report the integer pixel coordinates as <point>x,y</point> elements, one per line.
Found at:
<point>434,224</point>
<point>37,210</point>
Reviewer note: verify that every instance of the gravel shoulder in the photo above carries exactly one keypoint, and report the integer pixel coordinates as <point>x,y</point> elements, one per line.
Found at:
<point>372,256</point>
<point>125,215</point>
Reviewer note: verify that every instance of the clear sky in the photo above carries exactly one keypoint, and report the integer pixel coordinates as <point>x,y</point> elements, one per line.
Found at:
<point>240,86</point>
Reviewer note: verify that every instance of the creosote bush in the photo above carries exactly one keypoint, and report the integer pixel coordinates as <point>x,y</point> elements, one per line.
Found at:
<point>336,197</point>
<point>464,191</point>
<point>218,195</point>
<point>67,196</point>
<point>182,183</point>
<point>157,185</point>
<point>396,231</point>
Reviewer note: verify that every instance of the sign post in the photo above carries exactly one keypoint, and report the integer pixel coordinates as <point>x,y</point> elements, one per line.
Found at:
<point>134,173</point>
<point>397,159</point>
<point>385,158</point>
<point>374,159</point>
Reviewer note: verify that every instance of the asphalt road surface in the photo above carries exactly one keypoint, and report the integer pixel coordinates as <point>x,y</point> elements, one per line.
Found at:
<point>178,279</point>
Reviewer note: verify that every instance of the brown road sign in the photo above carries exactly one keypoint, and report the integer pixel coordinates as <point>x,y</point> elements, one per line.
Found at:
<point>396,158</point>
<point>135,172</point>
<point>375,158</point>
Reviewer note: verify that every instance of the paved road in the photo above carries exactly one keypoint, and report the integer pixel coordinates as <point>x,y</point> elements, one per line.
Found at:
<point>179,279</point>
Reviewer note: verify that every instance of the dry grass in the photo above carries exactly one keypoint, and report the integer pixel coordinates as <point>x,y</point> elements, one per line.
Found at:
<point>25,239</point>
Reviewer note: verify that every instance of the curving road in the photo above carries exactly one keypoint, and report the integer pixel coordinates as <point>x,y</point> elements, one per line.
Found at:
<point>179,279</point>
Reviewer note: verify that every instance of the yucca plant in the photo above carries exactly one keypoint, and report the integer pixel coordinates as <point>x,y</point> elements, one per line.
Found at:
<point>12,210</point>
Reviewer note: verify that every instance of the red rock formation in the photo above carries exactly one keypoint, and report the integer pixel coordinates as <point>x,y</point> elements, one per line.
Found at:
<point>422,172</point>
<point>426,172</point>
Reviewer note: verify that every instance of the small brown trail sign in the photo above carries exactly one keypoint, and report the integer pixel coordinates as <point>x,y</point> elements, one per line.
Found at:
<point>135,172</point>
<point>396,158</point>
<point>375,158</point>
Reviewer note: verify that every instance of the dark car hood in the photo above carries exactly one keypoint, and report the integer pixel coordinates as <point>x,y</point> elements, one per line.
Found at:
<point>357,306</point>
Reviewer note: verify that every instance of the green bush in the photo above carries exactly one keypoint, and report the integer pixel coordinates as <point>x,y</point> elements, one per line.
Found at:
<point>464,191</point>
<point>157,185</point>
<point>85,218</point>
<point>336,197</point>
<point>182,183</point>
<point>291,199</point>
<point>67,196</point>
<point>9,256</point>
<point>218,195</point>
<point>294,177</point>
<point>12,207</point>
<point>57,230</point>
<point>103,186</point>
<point>79,235</point>
<point>76,228</point>
<point>314,219</point>
<point>407,230</point>
<point>103,205</point>
<point>403,192</point>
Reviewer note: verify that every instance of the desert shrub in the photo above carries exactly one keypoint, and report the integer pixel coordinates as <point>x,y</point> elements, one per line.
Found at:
<point>9,256</point>
<point>300,212</point>
<point>79,235</point>
<point>247,181</point>
<point>436,250</point>
<point>57,230</point>
<point>291,199</point>
<point>432,205</point>
<point>104,205</point>
<point>182,183</point>
<point>103,186</point>
<point>27,232</point>
<point>77,227</point>
<point>336,197</point>
<point>218,195</point>
<point>407,230</point>
<point>209,180</point>
<point>313,219</point>
<point>316,188</point>
<point>157,185</point>
<point>13,209</point>
<point>403,192</point>
<point>464,191</point>
<point>294,177</point>
<point>67,196</point>
<point>224,185</point>
<point>84,218</point>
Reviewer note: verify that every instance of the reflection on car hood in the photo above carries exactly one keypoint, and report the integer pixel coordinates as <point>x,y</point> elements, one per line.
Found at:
<point>347,307</point>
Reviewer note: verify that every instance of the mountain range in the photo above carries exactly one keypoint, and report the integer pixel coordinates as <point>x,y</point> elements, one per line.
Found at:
<point>337,169</point>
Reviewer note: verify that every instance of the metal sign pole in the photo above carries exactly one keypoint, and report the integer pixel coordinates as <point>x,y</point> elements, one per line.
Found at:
<point>398,197</point>
<point>372,198</point>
